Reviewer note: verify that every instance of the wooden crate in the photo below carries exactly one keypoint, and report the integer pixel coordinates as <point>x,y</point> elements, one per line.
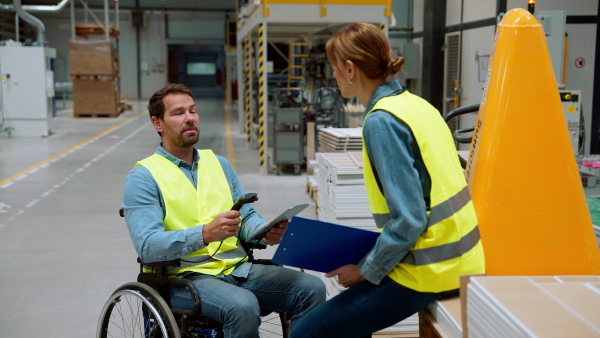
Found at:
<point>95,98</point>
<point>87,29</point>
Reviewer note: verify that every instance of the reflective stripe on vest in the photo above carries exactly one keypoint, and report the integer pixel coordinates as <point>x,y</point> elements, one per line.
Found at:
<point>443,252</point>
<point>450,245</point>
<point>186,207</point>
<point>439,212</point>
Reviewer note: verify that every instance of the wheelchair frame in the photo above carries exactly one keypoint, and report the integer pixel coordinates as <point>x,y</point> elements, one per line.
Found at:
<point>150,296</point>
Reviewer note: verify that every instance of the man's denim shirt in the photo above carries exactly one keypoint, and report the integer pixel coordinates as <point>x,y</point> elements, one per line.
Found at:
<point>406,184</point>
<point>145,210</point>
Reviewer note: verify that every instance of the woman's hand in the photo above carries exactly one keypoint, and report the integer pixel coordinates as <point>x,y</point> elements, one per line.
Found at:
<point>348,275</point>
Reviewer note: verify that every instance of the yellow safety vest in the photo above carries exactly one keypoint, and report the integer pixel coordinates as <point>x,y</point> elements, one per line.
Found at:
<point>450,246</point>
<point>188,206</point>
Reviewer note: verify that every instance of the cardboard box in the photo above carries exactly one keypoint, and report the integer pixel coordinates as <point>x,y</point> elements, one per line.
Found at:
<point>93,98</point>
<point>92,57</point>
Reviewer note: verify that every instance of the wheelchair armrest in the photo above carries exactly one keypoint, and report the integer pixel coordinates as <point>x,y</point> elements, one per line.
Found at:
<point>264,262</point>
<point>248,246</point>
<point>175,262</point>
<point>195,297</point>
<point>259,246</point>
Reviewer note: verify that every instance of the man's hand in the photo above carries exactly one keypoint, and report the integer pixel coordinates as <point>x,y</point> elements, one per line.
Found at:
<point>348,275</point>
<point>274,235</point>
<point>222,227</point>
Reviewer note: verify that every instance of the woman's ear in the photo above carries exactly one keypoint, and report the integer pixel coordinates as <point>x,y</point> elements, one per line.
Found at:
<point>351,70</point>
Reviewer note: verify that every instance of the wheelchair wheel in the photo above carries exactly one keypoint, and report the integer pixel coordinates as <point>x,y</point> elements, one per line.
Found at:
<point>136,310</point>
<point>274,325</point>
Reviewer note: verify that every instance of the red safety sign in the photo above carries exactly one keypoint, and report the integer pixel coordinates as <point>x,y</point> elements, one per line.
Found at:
<point>579,62</point>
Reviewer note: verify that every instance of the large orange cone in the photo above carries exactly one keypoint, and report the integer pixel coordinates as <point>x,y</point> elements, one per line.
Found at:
<point>521,170</point>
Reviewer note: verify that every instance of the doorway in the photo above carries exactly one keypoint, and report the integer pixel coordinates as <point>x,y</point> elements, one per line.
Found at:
<point>199,67</point>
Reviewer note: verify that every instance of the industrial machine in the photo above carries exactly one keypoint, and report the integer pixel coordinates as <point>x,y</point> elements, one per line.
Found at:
<point>27,89</point>
<point>26,72</point>
<point>571,104</point>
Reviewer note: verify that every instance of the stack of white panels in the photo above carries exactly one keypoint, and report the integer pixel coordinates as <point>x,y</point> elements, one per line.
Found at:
<point>334,140</point>
<point>409,327</point>
<point>447,313</point>
<point>510,306</point>
<point>342,197</point>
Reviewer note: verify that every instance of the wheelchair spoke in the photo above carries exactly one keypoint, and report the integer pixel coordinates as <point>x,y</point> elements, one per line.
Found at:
<point>136,310</point>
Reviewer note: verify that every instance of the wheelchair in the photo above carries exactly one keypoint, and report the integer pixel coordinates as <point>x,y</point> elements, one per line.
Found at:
<point>142,308</point>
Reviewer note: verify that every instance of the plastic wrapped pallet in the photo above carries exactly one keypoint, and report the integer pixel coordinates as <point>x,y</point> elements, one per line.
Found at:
<point>95,97</point>
<point>92,57</point>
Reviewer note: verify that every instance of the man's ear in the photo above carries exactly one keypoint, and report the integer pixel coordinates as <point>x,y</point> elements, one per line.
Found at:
<point>157,123</point>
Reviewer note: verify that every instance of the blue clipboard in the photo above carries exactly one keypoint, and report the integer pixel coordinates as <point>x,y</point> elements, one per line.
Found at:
<point>321,246</point>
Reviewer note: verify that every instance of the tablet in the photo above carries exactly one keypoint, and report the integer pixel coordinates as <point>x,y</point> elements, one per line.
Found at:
<point>285,216</point>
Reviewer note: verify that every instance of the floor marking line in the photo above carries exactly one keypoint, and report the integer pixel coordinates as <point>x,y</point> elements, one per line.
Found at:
<point>62,153</point>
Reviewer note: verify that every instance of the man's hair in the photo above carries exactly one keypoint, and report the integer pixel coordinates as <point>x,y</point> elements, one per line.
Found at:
<point>156,106</point>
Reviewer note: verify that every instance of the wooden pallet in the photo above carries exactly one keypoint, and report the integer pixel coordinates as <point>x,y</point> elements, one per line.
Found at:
<point>98,115</point>
<point>86,29</point>
<point>312,188</point>
<point>94,77</point>
<point>123,104</point>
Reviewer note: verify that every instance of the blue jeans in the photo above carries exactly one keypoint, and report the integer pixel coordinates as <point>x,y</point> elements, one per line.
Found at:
<point>237,302</point>
<point>361,310</point>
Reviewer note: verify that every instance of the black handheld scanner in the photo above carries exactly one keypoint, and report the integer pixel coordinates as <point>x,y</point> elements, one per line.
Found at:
<point>248,198</point>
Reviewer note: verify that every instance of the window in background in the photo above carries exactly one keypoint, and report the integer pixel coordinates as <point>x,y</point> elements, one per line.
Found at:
<point>201,68</point>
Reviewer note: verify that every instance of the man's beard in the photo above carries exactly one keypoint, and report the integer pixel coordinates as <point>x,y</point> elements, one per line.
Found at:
<point>184,142</point>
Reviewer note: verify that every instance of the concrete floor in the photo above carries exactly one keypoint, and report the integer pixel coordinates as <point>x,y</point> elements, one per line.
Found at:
<point>63,247</point>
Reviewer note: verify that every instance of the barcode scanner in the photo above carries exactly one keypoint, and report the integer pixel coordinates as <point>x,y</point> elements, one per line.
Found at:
<point>248,198</point>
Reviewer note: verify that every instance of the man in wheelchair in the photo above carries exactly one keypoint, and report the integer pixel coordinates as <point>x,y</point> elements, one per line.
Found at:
<point>177,205</point>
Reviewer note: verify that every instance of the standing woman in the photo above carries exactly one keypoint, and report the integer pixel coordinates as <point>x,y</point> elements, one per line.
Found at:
<point>418,196</point>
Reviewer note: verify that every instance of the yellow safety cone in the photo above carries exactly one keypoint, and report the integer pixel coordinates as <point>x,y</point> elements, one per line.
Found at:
<point>521,169</point>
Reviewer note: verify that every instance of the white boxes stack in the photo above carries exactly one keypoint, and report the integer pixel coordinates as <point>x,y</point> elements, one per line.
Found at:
<point>342,199</point>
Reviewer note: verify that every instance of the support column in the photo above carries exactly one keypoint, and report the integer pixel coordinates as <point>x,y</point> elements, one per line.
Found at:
<point>227,79</point>
<point>241,89</point>
<point>247,98</point>
<point>594,145</point>
<point>433,53</point>
<point>106,22</point>
<point>262,98</point>
<point>72,9</point>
